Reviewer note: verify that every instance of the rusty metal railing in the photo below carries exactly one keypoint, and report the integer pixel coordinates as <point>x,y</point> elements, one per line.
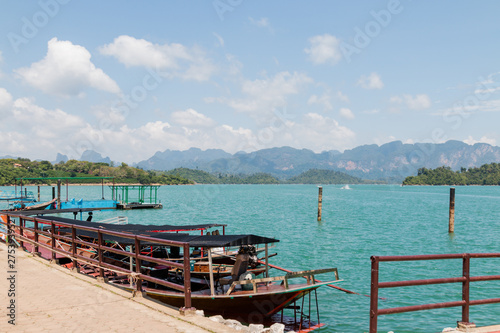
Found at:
<point>74,247</point>
<point>465,279</point>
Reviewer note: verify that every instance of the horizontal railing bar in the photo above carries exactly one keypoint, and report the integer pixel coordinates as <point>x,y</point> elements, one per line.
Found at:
<point>162,261</point>
<point>485,278</point>
<point>105,231</point>
<point>117,251</point>
<point>420,307</point>
<point>485,301</point>
<point>419,282</point>
<point>162,282</point>
<point>436,256</point>
<point>419,257</point>
<point>104,248</point>
<point>484,255</point>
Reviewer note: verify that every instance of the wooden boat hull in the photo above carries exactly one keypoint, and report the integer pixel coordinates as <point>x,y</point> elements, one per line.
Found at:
<point>246,306</point>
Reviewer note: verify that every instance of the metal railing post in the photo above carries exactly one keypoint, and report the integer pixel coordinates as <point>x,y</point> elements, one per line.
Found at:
<point>21,232</point>
<point>73,247</point>
<point>53,240</point>
<point>9,228</point>
<point>465,287</point>
<point>374,294</point>
<point>138,286</point>
<point>187,277</point>
<point>99,253</point>
<point>35,249</point>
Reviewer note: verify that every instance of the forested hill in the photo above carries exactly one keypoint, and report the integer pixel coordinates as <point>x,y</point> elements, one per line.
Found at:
<point>313,176</point>
<point>10,169</point>
<point>487,174</point>
<point>203,177</point>
<point>316,176</point>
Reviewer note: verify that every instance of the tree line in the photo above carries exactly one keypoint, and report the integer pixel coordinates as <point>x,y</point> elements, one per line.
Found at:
<point>12,169</point>
<point>487,174</point>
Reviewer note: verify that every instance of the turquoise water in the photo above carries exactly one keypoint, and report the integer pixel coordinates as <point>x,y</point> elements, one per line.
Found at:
<point>358,223</point>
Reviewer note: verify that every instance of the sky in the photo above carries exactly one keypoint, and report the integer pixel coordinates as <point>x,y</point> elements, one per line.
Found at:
<point>128,79</point>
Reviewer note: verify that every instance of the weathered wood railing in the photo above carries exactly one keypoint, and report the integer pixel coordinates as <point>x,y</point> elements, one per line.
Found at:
<point>309,275</point>
<point>465,279</point>
<point>75,246</point>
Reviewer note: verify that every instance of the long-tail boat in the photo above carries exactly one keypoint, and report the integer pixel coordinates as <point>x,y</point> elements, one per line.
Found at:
<point>239,295</point>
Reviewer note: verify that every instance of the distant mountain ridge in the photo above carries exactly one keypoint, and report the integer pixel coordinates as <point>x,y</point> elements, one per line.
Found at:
<point>191,158</point>
<point>391,162</point>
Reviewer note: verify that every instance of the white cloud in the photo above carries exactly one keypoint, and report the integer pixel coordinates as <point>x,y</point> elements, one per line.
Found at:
<point>219,39</point>
<point>191,118</point>
<point>346,113</point>
<point>488,86</point>
<point>419,102</point>
<point>263,96</point>
<point>373,81</point>
<point>173,60</point>
<point>464,109</point>
<point>324,100</point>
<point>321,132</point>
<point>342,97</point>
<point>372,111</point>
<point>31,130</point>
<point>263,22</point>
<point>66,70</point>
<point>1,62</point>
<point>470,140</point>
<point>324,49</point>
<point>5,101</point>
<point>35,132</point>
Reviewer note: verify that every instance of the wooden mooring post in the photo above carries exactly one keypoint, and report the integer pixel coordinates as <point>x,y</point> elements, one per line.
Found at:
<point>451,224</point>
<point>320,201</point>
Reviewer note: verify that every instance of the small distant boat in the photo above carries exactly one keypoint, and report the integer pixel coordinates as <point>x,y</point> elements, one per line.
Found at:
<point>345,187</point>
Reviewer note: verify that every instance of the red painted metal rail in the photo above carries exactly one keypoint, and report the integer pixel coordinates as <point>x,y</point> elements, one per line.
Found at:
<point>76,244</point>
<point>465,279</point>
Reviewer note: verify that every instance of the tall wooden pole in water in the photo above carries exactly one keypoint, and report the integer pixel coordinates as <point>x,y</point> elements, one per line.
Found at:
<point>58,194</point>
<point>451,226</point>
<point>320,202</point>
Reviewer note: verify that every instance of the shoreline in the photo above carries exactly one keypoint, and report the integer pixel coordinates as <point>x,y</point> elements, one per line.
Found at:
<point>98,184</point>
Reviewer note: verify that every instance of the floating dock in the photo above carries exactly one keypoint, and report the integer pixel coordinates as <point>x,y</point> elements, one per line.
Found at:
<point>146,196</point>
<point>138,205</point>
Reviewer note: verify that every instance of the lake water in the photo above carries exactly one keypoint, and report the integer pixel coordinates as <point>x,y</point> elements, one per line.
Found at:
<point>358,223</point>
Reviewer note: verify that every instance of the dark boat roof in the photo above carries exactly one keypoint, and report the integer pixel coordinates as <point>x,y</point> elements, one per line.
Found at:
<point>134,228</point>
<point>164,232</point>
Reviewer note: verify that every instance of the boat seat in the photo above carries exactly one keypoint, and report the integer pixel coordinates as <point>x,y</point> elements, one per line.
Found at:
<point>239,267</point>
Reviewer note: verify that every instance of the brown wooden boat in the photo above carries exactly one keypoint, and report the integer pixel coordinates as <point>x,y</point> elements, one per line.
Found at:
<point>249,299</point>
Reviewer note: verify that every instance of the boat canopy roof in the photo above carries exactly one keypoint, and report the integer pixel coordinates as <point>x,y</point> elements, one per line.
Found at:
<point>134,228</point>
<point>164,232</point>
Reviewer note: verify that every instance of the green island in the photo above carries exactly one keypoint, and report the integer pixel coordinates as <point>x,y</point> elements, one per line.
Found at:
<point>487,174</point>
<point>12,169</point>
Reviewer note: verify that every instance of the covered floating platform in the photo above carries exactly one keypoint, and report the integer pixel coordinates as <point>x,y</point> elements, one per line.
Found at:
<point>123,196</point>
<point>146,196</point>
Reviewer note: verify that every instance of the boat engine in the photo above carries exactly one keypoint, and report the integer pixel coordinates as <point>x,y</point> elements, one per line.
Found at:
<point>252,254</point>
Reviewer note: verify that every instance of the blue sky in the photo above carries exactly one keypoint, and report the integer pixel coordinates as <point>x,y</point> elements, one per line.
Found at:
<point>128,79</point>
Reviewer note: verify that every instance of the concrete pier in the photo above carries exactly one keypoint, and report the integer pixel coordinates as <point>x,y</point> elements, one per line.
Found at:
<point>50,298</point>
